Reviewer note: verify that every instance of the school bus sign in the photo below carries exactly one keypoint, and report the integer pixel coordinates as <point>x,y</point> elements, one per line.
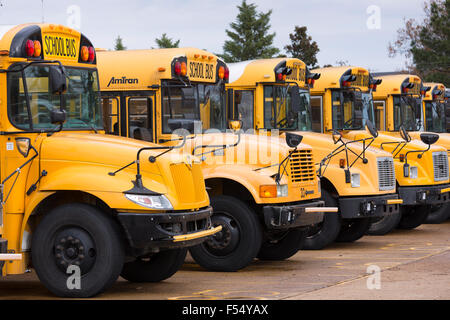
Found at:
<point>57,46</point>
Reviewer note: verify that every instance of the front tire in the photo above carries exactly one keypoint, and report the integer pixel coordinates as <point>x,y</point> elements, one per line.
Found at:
<point>413,216</point>
<point>326,232</point>
<point>82,237</point>
<point>438,214</point>
<point>353,229</point>
<point>237,244</point>
<point>158,267</point>
<point>286,245</point>
<point>385,224</point>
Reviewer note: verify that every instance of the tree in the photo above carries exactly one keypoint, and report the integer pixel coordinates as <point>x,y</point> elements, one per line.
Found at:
<point>249,37</point>
<point>426,44</point>
<point>302,47</point>
<point>166,42</point>
<point>119,44</point>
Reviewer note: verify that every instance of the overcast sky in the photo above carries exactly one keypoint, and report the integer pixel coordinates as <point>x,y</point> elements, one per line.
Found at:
<point>347,30</point>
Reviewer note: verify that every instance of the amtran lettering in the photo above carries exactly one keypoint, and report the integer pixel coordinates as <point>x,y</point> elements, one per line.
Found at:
<point>122,80</point>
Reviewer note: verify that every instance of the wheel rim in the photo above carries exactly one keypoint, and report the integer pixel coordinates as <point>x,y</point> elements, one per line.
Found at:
<point>74,246</point>
<point>225,241</point>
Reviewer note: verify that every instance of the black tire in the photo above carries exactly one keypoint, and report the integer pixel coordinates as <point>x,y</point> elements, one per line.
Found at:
<point>353,229</point>
<point>413,216</point>
<point>288,244</point>
<point>237,244</point>
<point>438,214</point>
<point>326,232</point>
<point>384,225</point>
<point>158,267</point>
<point>77,233</point>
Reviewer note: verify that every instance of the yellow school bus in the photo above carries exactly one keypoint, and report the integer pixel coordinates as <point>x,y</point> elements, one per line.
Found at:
<point>263,204</point>
<point>77,205</point>
<point>355,177</point>
<point>348,96</point>
<point>421,108</point>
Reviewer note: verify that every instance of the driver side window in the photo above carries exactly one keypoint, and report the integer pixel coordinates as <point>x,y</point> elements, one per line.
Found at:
<point>243,100</point>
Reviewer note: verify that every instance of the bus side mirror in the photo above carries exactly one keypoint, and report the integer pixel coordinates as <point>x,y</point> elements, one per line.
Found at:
<point>58,81</point>
<point>23,146</point>
<point>295,100</point>
<point>371,128</point>
<point>429,138</point>
<point>404,134</point>
<point>337,136</point>
<point>57,116</point>
<point>293,140</point>
<point>235,125</point>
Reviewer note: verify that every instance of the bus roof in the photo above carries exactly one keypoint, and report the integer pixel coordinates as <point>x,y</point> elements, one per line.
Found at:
<point>330,77</point>
<point>264,70</point>
<point>437,90</point>
<point>394,84</point>
<point>140,69</point>
<point>55,42</point>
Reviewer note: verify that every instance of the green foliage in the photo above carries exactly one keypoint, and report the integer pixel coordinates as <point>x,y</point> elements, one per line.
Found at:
<point>426,44</point>
<point>249,37</point>
<point>431,52</point>
<point>166,42</point>
<point>302,47</point>
<point>119,44</point>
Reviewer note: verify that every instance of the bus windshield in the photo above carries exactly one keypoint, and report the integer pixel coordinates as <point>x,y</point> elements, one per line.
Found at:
<point>203,104</point>
<point>279,111</point>
<point>408,113</point>
<point>435,116</point>
<point>81,100</point>
<point>351,109</point>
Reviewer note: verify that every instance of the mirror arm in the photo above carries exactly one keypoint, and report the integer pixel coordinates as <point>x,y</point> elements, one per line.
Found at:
<point>219,147</point>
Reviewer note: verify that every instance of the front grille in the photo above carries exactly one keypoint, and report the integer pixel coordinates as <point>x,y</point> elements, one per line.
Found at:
<point>440,165</point>
<point>386,173</point>
<point>302,166</point>
<point>188,181</point>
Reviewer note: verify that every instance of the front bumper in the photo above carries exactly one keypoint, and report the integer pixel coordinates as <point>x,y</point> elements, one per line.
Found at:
<point>147,231</point>
<point>370,206</point>
<point>293,216</point>
<point>425,195</point>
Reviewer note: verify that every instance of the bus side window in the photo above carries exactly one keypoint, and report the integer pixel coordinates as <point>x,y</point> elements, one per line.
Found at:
<point>243,100</point>
<point>380,120</point>
<point>397,114</point>
<point>110,109</point>
<point>316,114</point>
<point>139,118</point>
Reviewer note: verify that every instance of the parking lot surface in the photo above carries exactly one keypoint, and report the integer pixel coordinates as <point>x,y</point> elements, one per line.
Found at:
<point>405,264</point>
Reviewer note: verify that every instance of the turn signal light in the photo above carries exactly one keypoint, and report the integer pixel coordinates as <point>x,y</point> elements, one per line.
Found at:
<point>183,70</point>
<point>84,53</point>
<point>37,48</point>
<point>221,72</point>
<point>269,191</point>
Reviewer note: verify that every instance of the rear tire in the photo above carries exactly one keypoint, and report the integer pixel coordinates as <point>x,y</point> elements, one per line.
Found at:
<point>326,232</point>
<point>413,216</point>
<point>285,247</point>
<point>385,224</point>
<point>439,214</point>
<point>353,229</point>
<point>158,267</point>
<point>237,244</point>
<point>77,235</point>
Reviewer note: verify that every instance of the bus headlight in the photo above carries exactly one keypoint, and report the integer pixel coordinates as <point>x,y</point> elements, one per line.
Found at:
<point>356,180</point>
<point>413,172</point>
<point>152,202</point>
